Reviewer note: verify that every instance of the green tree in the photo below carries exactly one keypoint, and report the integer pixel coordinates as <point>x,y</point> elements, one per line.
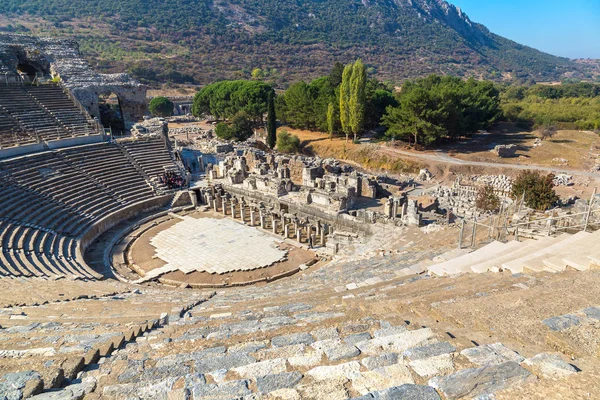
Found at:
<point>356,101</point>
<point>223,131</point>
<point>241,126</point>
<point>257,73</point>
<point>224,99</point>
<point>331,120</point>
<point>487,199</point>
<point>335,76</point>
<point>345,93</point>
<point>161,107</point>
<point>287,143</point>
<point>538,190</point>
<point>418,116</point>
<point>299,106</point>
<point>271,122</point>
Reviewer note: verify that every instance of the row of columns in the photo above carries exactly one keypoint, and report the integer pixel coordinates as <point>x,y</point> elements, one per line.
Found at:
<point>279,223</point>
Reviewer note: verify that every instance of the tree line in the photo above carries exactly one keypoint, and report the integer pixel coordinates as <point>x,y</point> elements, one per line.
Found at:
<point>423,112</point>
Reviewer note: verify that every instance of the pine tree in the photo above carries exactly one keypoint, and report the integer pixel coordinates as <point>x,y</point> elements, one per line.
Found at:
<point>345,100</point>
<point>330,120</point>
<point>357,98</point>
<point>271,121</point>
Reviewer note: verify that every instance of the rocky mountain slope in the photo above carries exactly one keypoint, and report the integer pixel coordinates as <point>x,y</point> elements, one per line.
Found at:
<point>287,40</point>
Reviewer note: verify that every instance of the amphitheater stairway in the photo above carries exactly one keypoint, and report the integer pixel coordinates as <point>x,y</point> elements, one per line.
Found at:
<point>53,99</point>
<point>11,133</point>
<point>50,199</point>
<point>552,254</point>
<point>152,157</point>
<point>233,347</point>
<point>48,345</point>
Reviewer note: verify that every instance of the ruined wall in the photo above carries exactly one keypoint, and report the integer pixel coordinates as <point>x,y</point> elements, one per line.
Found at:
<point>132,99</point>
<point>296,166</point>
<point>62,58</point>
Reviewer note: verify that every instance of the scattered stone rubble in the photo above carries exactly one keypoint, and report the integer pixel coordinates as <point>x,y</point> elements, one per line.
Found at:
<point>150,127</point>
<point>563,180</point>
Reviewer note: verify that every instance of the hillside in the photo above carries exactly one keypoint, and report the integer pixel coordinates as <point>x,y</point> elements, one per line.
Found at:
<point>287,39</point>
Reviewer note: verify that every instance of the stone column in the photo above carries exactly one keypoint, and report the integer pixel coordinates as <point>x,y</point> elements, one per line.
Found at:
<point>224,204</point>
<point>242,212</point>
<point>252,218</point>
<point>232,209</point>
<point>262,219</point>
<point>274,223</point>
<point>299,235</point>
<point>286,230</point>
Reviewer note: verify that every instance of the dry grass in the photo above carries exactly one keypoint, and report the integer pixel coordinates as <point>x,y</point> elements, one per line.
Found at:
<point>573,146</point>
<point>367,156</point>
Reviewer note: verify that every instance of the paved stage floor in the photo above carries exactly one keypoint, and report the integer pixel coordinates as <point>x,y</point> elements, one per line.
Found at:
<point>216,246</point>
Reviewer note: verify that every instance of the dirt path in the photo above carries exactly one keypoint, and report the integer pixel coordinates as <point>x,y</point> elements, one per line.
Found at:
<point>441,157</point>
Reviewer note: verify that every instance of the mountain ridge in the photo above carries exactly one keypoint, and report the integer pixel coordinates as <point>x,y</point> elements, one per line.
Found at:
<point>287,39</point>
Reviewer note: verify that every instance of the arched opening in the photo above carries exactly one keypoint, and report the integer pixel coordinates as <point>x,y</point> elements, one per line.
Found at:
<point>111,114</point>
<point>28,71</point>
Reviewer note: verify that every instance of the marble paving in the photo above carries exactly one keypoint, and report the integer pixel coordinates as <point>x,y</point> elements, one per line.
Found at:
<point>216,246</point>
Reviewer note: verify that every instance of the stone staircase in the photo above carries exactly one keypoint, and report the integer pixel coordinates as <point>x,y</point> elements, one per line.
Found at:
<point>356,328</point>
<point>551,254</point>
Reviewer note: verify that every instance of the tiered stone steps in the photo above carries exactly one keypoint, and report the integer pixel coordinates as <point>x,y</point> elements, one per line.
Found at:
<point>48,200</point>
<point>32,113</point>
<point>56,341</point>
<point>578,251</point>
<point>152,157</point>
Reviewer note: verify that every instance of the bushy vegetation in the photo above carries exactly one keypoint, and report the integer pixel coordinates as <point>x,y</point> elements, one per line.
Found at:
<point>240,129</point>
<point>316,105</point>
<point>536,189</point>
<point>487,199</point>
<point>569,106</point>
<point>224,99</point>
<point>161,107</point>
<point>436,108</point>
<point>273,39</point>
<point>287,143</point>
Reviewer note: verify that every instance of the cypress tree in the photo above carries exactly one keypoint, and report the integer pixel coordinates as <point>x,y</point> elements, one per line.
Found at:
<point>330,120</point>
<point>271,121</point>
<point>345,100</point>
<point>357,98</point>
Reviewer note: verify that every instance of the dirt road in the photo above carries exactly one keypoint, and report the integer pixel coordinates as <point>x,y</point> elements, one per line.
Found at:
<point>441,157</point>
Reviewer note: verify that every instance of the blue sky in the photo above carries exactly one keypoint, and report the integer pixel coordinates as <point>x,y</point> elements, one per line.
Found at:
<point>568,28</point>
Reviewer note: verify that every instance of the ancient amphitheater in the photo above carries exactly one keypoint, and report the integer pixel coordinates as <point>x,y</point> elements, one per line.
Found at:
<point>268,276</point>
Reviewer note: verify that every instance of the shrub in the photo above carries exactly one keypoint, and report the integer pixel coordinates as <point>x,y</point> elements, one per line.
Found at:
<point>538,189</point>
<point>161,107</point>
<point>287,143</point>
<point>548,131</point>
<point>223,131</point>
<point>240,128</point>
<point>487,199</point>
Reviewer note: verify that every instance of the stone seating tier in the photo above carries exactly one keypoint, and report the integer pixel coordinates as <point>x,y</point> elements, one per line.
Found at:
<point>49,200</point>
<point>550,254</point>
<point>39,113</point>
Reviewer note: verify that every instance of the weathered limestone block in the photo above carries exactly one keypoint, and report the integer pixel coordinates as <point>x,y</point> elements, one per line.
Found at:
<point>491,354</point>
<point>382,378</point>
<point>473,382</point>
<point>505,150</point>
<point>550,365</point>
